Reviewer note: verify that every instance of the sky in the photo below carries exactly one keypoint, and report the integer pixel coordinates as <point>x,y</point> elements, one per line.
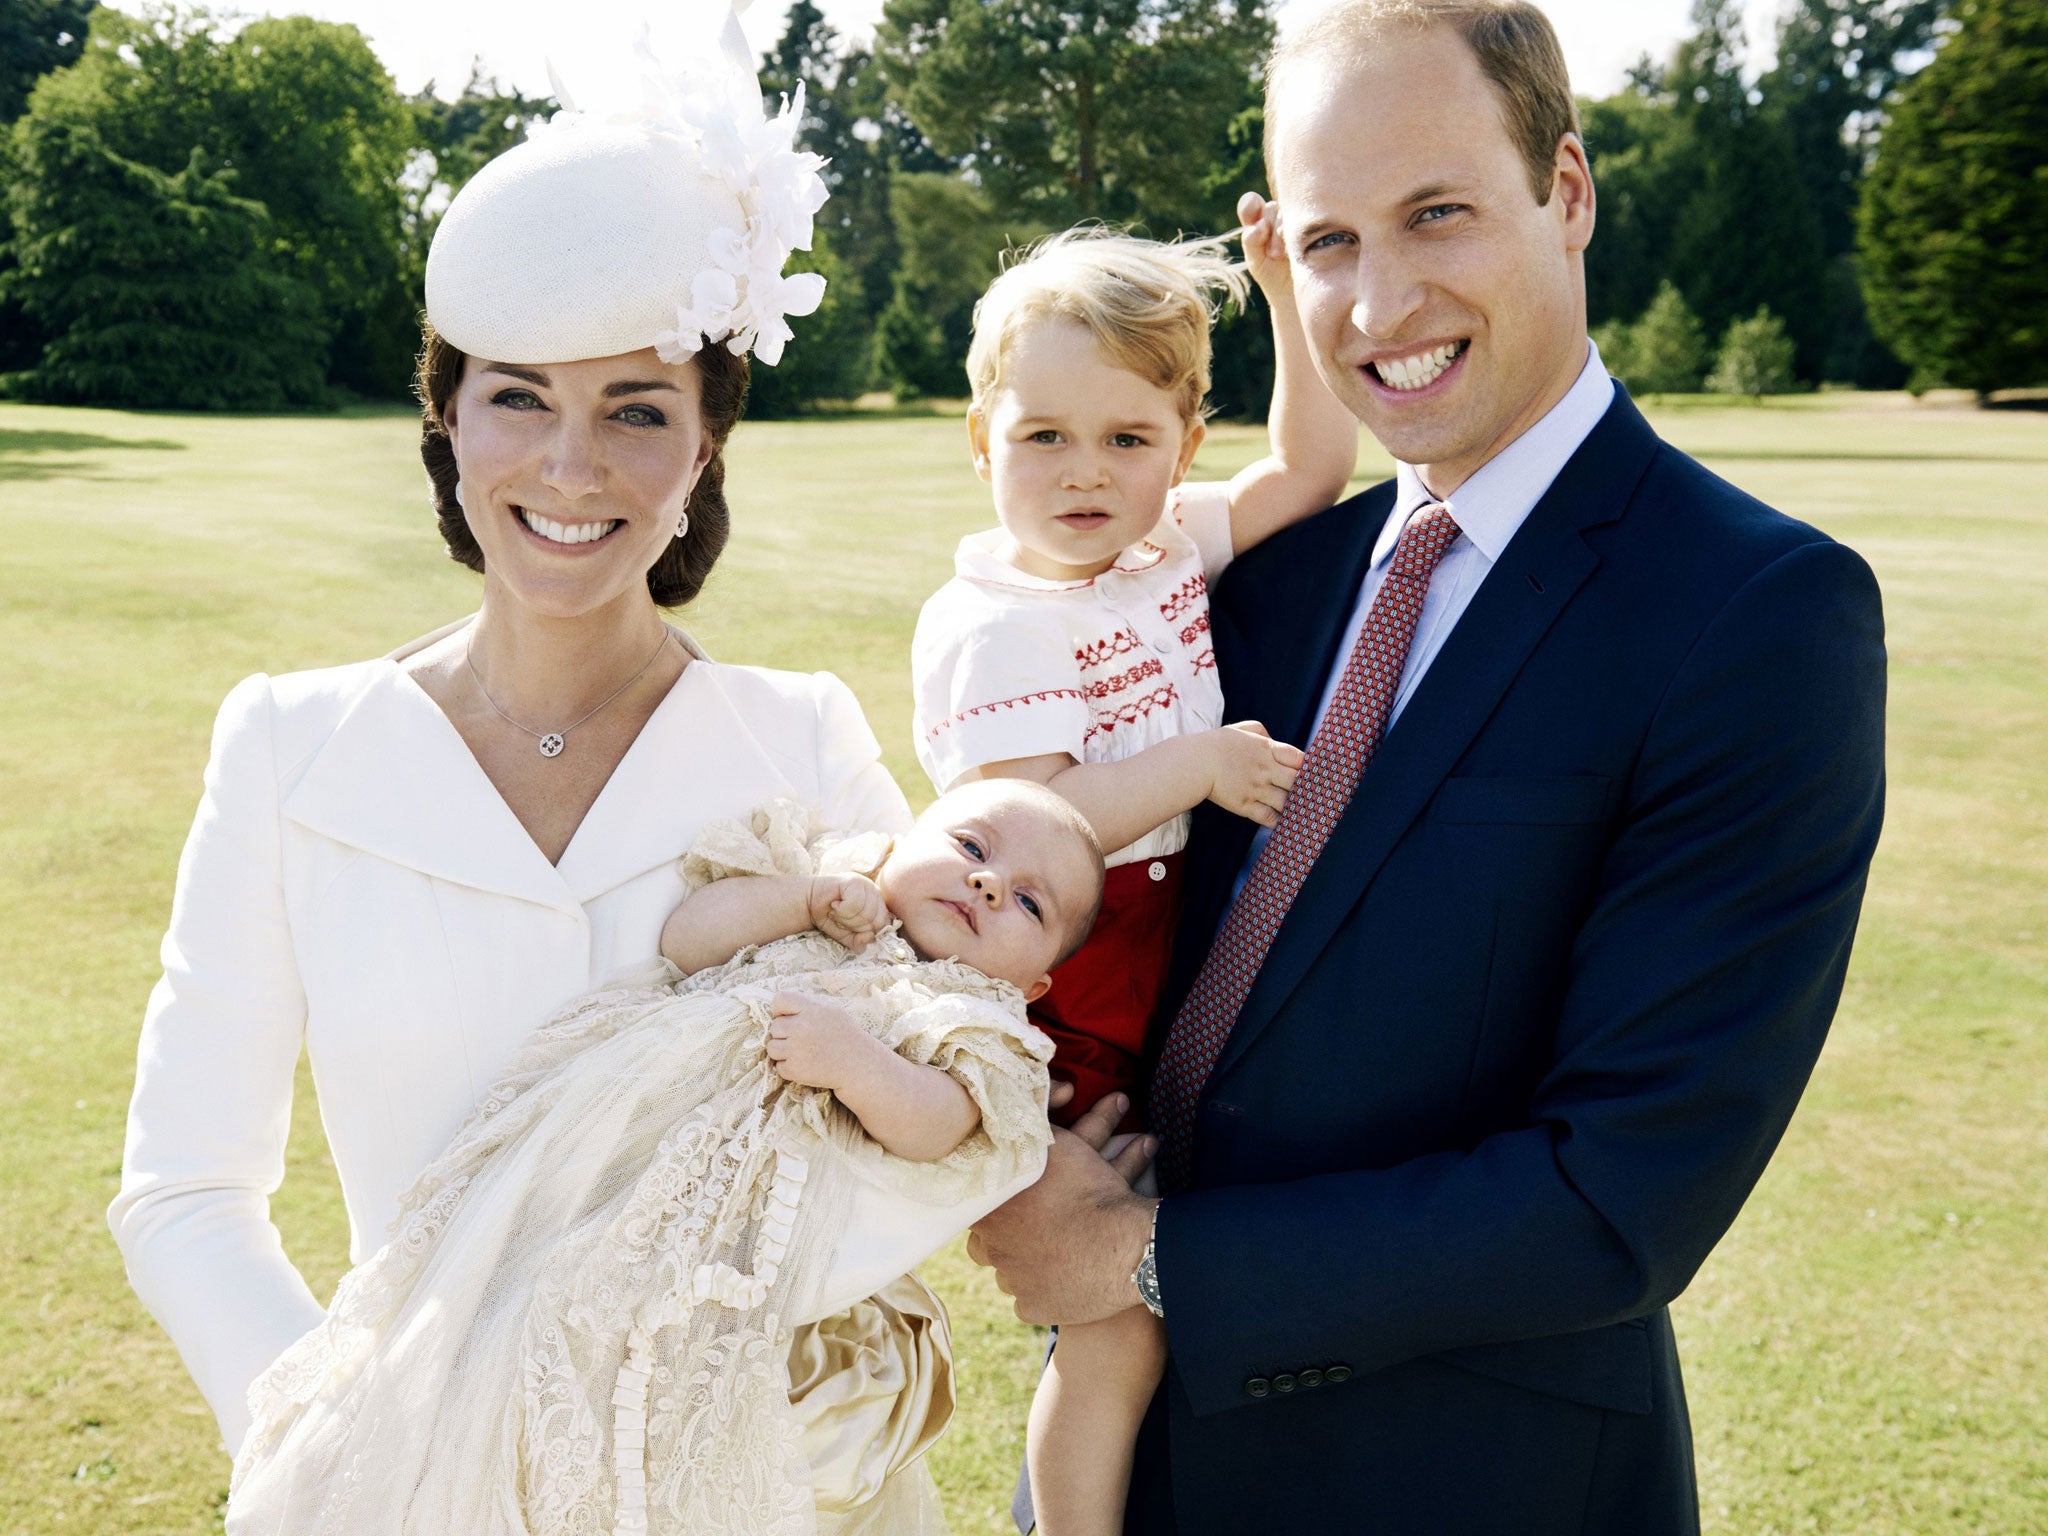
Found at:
<point>435,40</point>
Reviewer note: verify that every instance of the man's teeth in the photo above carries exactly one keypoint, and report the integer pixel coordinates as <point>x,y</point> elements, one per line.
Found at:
<point>559,533</point>
<point>1420,371</point>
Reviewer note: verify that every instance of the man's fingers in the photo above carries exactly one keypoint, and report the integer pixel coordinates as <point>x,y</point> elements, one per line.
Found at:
<point>1135,1158</point>
<point>1251,727</point>
<point>1100,1122</point>
<point>1250,208</point>
<point>1062,1094</point>
<point>977,1250</point>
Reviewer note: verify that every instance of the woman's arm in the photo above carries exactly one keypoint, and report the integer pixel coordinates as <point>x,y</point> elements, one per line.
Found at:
<point>213,1086</point>
<point>1314,436</point>
<point>1240,767</point>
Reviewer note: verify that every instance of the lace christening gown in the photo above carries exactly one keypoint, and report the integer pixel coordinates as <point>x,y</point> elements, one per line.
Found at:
<point>598,1302</point>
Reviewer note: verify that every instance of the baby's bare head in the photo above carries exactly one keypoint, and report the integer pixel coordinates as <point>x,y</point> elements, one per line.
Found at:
<point>1001,873</point>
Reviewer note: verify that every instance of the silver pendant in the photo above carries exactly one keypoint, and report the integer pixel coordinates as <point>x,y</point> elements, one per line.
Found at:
<point>551,744</point>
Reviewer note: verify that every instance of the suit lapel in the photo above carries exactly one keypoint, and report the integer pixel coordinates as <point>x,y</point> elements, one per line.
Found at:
<point>1536,577</point>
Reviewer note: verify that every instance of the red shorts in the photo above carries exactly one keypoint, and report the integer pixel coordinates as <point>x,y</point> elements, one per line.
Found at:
<point>1099,1011</point>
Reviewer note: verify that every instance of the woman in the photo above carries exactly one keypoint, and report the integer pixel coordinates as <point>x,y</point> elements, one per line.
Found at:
<point>405,864</point>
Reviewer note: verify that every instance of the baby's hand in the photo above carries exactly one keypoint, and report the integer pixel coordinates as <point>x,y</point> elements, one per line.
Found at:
<point>1265,251</point>
<point>1253,772</point>
<point>817,1043</point>
<point>848,908</point>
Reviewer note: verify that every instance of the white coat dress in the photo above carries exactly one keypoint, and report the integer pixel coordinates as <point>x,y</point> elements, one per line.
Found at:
<point>355,885</point>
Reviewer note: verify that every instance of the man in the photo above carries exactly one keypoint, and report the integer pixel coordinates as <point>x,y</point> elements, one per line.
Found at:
<point>1473,1060</point>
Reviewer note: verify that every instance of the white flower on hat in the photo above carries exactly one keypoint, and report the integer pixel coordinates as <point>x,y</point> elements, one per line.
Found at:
<point>660,217</point>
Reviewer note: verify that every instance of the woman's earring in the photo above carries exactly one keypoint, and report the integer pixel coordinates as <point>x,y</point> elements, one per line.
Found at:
<point>458,490</point>
<point>683,526</point>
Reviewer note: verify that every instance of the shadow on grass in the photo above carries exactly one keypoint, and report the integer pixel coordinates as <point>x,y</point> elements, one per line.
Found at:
<point>16,446</point>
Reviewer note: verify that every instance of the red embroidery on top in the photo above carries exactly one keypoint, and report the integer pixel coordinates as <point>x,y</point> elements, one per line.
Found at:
<point>1195,630</point>
<point>1103,652</point>
<point>1184,597</point>
<point>1150,667</point>
<point>1206,660</point>
<point>1162,697</point>
<point>1042,696</point>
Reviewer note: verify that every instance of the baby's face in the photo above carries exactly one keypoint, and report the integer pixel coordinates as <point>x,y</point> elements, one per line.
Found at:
<point>990,878</point>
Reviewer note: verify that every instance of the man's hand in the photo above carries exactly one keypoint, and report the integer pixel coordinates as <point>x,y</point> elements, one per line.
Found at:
<point>817,1043</point>
<point>1253,772</point>
<point>848,908</point>
<point>1065,1248</point>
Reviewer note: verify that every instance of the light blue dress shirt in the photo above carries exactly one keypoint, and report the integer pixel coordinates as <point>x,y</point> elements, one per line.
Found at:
<point>1488,508</point>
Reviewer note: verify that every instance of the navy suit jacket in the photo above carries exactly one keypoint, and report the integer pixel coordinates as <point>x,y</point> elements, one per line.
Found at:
<point>1535,1023</point>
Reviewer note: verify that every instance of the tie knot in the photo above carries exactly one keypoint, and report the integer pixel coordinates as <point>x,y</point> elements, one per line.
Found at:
<point>1422,543</point>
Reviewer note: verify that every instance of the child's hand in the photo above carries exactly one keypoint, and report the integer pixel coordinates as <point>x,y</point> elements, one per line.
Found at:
<point>1253,771</point>
<point>817,1043</point>
<point>848,908</point>
<point>1265,252</point>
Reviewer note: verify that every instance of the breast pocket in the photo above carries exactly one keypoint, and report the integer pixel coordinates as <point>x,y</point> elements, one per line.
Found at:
<point>1576,800</point>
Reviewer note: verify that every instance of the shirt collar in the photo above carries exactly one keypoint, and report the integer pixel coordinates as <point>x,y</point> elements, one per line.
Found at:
<point>979,558</point>
<point>1491,506</point>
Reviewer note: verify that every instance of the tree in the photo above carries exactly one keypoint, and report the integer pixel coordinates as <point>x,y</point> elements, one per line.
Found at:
<point>37,36</point>
<point>1083,109</point>
<point>1954,222</point>
<point>829,358</point>
<point>1756,358</point>
<point>157,290</point>
<point>1663,353</point>
<point>952,237</point>
<point>1837,60</point>
<point>313,128</point>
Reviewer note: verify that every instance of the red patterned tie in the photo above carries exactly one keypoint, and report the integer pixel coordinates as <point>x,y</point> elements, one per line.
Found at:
<point>1337,755</point>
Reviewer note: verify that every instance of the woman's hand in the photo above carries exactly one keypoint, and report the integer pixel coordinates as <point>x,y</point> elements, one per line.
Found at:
<point>848,908</point>
<point>1252,772</point>
<point>1265,251</point>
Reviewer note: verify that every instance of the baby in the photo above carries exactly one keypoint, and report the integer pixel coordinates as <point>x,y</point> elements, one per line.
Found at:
<point>583,1317</point>
<point>1072,648</point>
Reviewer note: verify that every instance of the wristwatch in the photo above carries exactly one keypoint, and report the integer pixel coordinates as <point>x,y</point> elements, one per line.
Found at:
<point>1146,1276</point>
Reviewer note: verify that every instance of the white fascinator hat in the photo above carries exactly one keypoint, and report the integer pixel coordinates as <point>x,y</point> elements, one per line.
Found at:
<point>658,214</point>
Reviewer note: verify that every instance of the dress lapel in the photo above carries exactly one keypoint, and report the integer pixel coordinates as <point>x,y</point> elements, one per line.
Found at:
<point>697,759</point>
<point>1537,575</point>
<point>396,780</point>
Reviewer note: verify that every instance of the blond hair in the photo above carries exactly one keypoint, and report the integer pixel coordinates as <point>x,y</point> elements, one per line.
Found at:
<point>1149,305</point>
<point>1516,46</point>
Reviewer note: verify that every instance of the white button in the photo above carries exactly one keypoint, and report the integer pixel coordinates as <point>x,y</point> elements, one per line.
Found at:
<point>1162,646</point>
<point>1157,871</point>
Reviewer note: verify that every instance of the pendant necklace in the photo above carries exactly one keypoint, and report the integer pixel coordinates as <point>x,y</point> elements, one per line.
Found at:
<point>552,742</point>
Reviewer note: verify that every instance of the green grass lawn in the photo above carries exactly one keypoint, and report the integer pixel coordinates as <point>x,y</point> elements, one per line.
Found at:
<point>1865,1351</point>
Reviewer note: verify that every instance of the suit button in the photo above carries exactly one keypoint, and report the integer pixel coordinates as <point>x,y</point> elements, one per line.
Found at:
<point>1310,1378</point>
<point>1258,1386</point>
<point>1284,1382</point>
<point>1337,1375</point>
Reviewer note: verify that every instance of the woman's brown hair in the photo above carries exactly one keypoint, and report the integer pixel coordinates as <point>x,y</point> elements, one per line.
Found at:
<point>680,572</point>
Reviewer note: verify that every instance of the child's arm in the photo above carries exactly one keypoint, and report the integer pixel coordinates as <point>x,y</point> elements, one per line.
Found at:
<point>916,1112</point>
<point>1240,767</point>
<point>1314,437</point>
<point>717,922</point>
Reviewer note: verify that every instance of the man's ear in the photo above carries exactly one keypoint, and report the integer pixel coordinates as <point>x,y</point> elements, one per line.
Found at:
<point>977,441</point>
<point>1572,191</point>
<point>1038,989</point>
